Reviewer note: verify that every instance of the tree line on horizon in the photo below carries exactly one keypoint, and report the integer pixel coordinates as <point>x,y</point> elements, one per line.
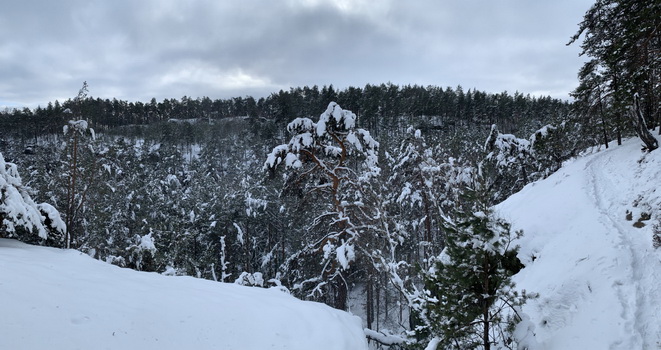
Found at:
<point>375,105</point>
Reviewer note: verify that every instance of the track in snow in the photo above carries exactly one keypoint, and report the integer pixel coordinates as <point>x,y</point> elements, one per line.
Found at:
<point>612,191</point>
<point>598,277</point>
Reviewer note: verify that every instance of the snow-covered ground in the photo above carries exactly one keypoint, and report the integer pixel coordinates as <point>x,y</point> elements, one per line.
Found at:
<point>63,299</point>
<point>597,275</point>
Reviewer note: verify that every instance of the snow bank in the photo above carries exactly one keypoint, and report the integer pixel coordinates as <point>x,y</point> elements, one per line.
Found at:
<point>597,274</point>
<point>62,299</point>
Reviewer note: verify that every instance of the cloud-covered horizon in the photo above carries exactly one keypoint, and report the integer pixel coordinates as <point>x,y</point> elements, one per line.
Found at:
<point>136,50</point>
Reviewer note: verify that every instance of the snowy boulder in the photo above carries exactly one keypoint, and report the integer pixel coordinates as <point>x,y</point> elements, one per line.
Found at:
<point>63,299</point>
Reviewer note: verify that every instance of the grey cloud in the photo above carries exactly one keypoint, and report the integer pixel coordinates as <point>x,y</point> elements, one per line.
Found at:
<point>136,50</point>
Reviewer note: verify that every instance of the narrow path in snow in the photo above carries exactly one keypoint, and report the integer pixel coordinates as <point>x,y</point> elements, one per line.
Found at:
<point>598,276</point>
<point>612,192</point>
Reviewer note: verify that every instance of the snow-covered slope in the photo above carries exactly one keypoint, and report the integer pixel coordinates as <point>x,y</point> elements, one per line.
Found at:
<point>62,299</point>
<point>597,275</point>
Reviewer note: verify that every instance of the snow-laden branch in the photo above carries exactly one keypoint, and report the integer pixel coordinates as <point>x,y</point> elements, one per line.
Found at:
<point>335,161</point>
<point>17,209</point>
<point>383,338</point>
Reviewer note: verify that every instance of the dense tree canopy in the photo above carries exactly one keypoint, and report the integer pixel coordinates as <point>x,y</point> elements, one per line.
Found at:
<point>384,108</point>
<point>622,78</point>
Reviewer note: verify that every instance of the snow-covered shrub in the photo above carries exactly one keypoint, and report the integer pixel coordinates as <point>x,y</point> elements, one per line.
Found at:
<point>19,212</point>
<point>250,279</point>
<point>141,254</point>
<point>551,145</point>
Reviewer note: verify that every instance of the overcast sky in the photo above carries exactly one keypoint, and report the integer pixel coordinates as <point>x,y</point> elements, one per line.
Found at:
<point>136,50</point>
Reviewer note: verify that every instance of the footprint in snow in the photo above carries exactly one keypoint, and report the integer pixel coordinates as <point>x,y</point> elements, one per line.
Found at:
<point>80,319</point>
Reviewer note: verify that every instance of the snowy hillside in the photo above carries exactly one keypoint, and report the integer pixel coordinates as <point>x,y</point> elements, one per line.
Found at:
<point>588,251</point>
<point>63,299</point>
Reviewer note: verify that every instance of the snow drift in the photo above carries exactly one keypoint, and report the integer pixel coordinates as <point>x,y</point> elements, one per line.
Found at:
<point>588,251</point>
<point>63,299</point>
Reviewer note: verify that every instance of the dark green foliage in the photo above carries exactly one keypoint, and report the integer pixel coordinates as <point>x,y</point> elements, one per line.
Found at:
<point>552,145</point>
<point>656,237</point>
<point>471,301</point>
<point>383,109</point>
<point>623,40</point>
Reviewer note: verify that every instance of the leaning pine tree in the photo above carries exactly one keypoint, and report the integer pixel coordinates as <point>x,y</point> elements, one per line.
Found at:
<point>469,300</point>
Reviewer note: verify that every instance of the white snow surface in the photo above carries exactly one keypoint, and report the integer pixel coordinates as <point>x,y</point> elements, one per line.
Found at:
<point>598,276</point>
<point>63,299</point>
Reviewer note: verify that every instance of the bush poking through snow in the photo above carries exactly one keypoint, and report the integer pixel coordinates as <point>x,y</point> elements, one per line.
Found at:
<point>656,238</point>
<point>141,254</point>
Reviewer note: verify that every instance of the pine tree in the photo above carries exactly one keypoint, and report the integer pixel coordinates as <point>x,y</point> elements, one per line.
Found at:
<point>469,299</point>
<point>329,162</point>
<point>623,40</point>
<point>417,192</point>
<point>509,161</point>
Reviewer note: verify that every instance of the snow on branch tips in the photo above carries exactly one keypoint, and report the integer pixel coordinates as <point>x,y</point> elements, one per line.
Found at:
<point>333,162</point>
<point>80,127</point>
<point>18,210</point>
<point>335,134</point>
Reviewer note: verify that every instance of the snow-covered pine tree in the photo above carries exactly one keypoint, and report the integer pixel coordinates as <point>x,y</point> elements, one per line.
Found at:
<point>424,183</point>
<point>622,40</point>
<point>551,145</point>
<point>509,161</point>
<point>331,161</point>
<point>469,300</point>
<point>416,204</point>
<point>80,171</point>
<point>19,212</point>
<point>232,221</point>
<point>412,196</point>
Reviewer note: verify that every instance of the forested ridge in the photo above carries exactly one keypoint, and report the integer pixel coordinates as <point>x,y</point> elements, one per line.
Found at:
<point>376,105</point>
<point>375,199</point>
<point>180,187</point>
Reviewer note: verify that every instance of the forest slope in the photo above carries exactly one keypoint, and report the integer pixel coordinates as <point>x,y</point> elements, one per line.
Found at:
<point>63,299</point>
<point>588,251</point>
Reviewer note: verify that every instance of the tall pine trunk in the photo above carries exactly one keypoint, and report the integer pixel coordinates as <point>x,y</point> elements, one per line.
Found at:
<point>486,301</point>
<point>71,192</point>
<point>603,122</point>
<point>641,127</point>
